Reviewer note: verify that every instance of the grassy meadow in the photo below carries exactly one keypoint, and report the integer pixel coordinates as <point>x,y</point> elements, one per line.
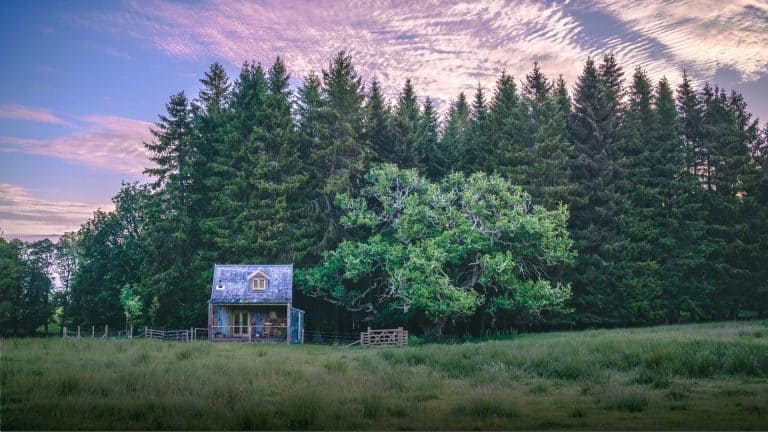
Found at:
<point>707,376</point>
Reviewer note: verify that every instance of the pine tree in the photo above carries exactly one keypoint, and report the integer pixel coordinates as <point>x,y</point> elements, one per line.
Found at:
<point>170,209</point>
<point>689,107</point>
<point>479,136</point>
<point>562,98</point>
<point>210,114</point>
<point>313,127</point>
<point>505,152</point>
<point>239,155</point>
<point>430,151</point>
<point>339,155</point>
<point>637,269</point>
<point>545,147</point>
<point>407,131</point>
<point>594,201</point>
<point>345,155</point>
<point>454,142</point>
<point>728,133</point>
<point>611,76</point>
<point>680,248</point>
<point>171,151</point>
<point>537,91</point>
<point>213,95</point>
<point>377,125</point>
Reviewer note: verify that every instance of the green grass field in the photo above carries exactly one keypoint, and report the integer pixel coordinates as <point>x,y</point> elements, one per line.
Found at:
<point>710,376</point>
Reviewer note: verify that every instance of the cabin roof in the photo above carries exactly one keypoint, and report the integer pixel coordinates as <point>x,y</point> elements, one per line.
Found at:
<point>234,278</point>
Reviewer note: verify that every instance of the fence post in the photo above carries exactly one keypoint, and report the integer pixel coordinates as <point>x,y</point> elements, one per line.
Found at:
<point>64,332</point>
<point>93,332</point>
<point>145,332</point>
<point>106,331</point>
<point>78,332</point>
<point>130,333</point>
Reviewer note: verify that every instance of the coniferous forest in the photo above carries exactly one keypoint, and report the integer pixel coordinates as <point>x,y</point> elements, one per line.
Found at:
<point>616,200</point>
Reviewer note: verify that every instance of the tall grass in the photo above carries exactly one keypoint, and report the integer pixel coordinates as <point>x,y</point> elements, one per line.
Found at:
<point>712,376</point>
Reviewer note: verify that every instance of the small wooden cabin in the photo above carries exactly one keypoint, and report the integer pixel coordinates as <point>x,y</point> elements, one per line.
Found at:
<point>252,303</point>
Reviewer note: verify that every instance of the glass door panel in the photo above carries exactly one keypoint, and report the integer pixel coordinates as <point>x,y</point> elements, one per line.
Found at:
<point>240,323</point>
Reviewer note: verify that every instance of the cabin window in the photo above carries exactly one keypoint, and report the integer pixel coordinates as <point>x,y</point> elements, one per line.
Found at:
<point>219,287</point>
<point>258,284</point>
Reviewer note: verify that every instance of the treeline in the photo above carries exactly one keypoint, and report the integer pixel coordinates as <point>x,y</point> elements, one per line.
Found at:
<point>667,191</point>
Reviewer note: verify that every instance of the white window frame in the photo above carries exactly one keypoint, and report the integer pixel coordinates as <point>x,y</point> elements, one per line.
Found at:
<point>258,284</point>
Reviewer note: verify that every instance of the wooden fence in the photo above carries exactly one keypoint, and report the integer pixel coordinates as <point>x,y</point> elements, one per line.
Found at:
<point>384,338</point>
<point>185,335</point>
<point>371,338</point>
<point>93,332</point>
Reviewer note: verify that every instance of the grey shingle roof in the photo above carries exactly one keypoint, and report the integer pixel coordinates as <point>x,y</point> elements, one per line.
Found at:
<point>234,279</point>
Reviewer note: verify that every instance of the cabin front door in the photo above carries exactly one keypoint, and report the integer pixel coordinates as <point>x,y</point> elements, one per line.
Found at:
<point>240,320</point>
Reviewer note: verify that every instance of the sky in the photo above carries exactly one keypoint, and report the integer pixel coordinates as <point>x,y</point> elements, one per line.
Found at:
<point>84,81</point>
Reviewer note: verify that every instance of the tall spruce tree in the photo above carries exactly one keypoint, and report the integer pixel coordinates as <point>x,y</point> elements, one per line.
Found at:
<point>213,96</point>
<point>680,248</point>
<point>545,146</point>
<point>377,125</point>
<point>479,135</point>
<point>637,268</point>
<point>407,133</point>
<point>313,126</point>
<point>173,231</point>
<point>506,153</point>
<point>429,153</point>
<point>275,177</point>
<point>338,153</point>
<point>239,155</point>
<point>210,114</point>
<point>594,200</point>
<point>455,140</point>
<point>728,133</point>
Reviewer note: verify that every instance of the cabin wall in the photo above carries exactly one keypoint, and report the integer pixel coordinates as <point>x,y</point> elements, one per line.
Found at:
<point>297,326</point>
<point>220,319</point>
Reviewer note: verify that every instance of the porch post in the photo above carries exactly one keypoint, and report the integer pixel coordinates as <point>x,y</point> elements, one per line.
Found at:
<point>288,325</point>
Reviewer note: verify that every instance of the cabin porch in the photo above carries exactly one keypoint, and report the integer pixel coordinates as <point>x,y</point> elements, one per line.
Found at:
<point>256,323</point>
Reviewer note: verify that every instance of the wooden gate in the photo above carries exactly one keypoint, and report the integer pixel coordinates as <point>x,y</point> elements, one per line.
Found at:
<point>385,337</point>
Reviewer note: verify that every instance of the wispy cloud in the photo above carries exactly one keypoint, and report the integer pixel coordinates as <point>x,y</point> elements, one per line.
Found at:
<point>23,213</point>
<point>702,35</point>
<point>447,46</point>
<point>107,142</point>
<point>20,112</point>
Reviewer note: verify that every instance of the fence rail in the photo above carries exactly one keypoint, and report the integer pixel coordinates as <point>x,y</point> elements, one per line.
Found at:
<point>318,337</point>
<point>249,333</point>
